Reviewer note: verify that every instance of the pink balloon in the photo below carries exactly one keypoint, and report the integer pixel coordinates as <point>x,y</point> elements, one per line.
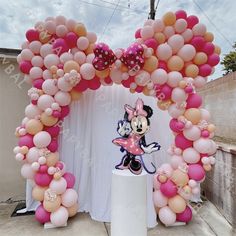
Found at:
<point>59,217</point>
<point>27,172</point>
<point>174,111</point>
<point>194,101</point>
<point>25,67</point>
<point>26,140</point>
<point>213,59</point>
<point>176,126</point>
<point>151,43</point>
<point>208,48</point>
<point>205,133</point>
<point>43,169</point>
<point>182,142</point>
<point>192,20</point>
<point>53,146</point>
<point>159,199</point>
<point>168,189</point>
<point>56,114</point>
<point>176,42</point>
<point>198,42</point>
<point>43,179</point>
<point>60,46</point>
<point>167,216</point>
<point>156,183</point>
<point>176,161</point>
<point>65,110</point>
<point>187,52</point>
<point>53,131</point>
<point>32,35</point>
<point>164,92</point>
<point>37,83</point>
<point>69,197</point>
<point>181,14</point>
<point>164,52</point>
<point>184,216</point>
<point>178,95</point>
<point>70,179</point>
<point>205,70</point>
<point>41,215</point>
<point>193,133</point>
<point>42,139</point>
<point>196,172</point>
<point>58,186</point>
<point>71,39</point>
<point>138,34</point>
<point>190,155</point>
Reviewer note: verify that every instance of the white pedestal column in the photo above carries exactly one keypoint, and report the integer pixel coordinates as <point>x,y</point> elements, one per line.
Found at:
<point>128,204</point>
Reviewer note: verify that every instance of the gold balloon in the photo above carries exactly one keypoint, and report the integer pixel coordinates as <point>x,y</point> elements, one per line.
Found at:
<point>177,204</point>
<point>44,37</point>
<point>48,120</point>
<point>75,95</point>
<point>182,84</point>
<point>80,29</point>
<point>33,126</point>
<point>73,210</point>
<point>200,58</point>
<point>146,91</point>
<point>71,65</point>
<point>217,50</point>
<point>53,204</point>
<point>180,178</point>
<point>209,37</point>
<point>24,150</point>
<point>169,18</point>
<point>150,64</point>
<point>38,193</point>
<point>89,49</point>
<point>175,63</point>
<point>52,158</point>
<point>160,37</point>
<point>162,178</point>
<point>103,74</point>
<point>193,115</point>
<point>191,71</point>
<point>164,105</point>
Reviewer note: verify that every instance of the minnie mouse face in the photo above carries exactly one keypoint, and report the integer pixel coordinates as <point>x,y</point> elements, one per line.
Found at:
<point>139,125</point>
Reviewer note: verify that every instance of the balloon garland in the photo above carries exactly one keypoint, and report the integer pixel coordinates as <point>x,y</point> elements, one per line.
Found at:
<point>170,58</point>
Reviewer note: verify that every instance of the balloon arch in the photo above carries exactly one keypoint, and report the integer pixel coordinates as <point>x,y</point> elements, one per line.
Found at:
<point>170,58</point>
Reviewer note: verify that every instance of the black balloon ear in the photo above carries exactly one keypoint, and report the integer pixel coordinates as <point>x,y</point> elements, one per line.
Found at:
<point>126,116</point>
<point>148,110</point>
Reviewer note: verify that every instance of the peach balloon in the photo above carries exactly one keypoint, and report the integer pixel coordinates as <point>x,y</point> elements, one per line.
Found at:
<point>217,49</point>
<point>48,120</point>
<point>33,126</point>
<point>200,58</point>
<point>193,115</point>
<point>211,128</point>
<point>169,18</point>
<point>191,71</point>
<point>175,63</point>
<point>71,65</point>
<point>75,95</point>
<point>209,37</point>
<point>164,105</point>
<point>73,210</point>
<point>180,177</point>
<point>80,29</point>
<point>38,193</point>
<point>52,205</point>
<point>150,64</point>
<point>160,37</point>
<point>52,158</point>
<point>177,204</point>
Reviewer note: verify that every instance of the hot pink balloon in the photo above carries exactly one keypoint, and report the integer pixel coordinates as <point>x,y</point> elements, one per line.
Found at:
<point>208,48</point>
<point>164,92</point>
<point>185,216</point>
<point>205,70</point>
<point>43,180</point>
<point>138,34</point>
<point>151,43</point>
<point>70,179</point>
<point>53,131</point>
<point>196,172</point>
<point>198,42</point>
<point>168,189</point>
<point>43,169</point>
<point>65,110</point>
<point>213,59</point>
<point>176,125</point>
<point>194,101</point>
<point>60,46</point>
<point>32,35</point>
<point>25,67</point>
<point>192,20</point>
<point>41,215</point>
<point>37,83</point>
<point>71,39</point>
<point>181,14</point>
<point>26,140</point>
<point>53,146</point>
<point>182,142</point>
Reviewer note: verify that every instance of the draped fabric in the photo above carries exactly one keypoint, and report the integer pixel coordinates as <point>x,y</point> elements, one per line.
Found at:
<point>87,150</point>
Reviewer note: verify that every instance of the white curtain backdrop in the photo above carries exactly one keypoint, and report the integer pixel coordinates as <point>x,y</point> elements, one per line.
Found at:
<point>87,150</point>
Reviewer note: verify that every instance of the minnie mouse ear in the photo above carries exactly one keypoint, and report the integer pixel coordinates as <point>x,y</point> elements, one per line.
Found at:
<point>148,110</point>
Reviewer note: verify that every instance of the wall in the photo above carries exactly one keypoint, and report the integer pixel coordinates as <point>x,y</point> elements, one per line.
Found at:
<point>13,99</point>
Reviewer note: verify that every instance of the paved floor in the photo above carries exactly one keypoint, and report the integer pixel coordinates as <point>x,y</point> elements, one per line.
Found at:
<point>207,221</point>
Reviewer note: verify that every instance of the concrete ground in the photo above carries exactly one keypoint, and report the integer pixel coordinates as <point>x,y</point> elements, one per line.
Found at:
<point>207,221</point>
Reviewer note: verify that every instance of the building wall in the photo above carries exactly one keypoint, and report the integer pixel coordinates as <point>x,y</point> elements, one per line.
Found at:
<point>13,99</point>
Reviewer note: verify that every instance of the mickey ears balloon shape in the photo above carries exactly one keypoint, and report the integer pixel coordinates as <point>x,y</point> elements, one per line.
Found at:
<point>169,59</point>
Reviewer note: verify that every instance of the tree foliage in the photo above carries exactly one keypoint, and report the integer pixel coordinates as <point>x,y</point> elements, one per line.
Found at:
<point>229,61</point>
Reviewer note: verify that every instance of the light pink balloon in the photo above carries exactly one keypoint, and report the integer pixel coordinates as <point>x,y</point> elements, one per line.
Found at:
<point>168,31</point>
<point>168,170</point>
<point>193,133</point>
<point>69,197</point>
<point>116,75</point>
<point>187,35</point>
<point>80,57</point>
<point>178,95</point>
<point>191,156</point>
<point>176,161</point>
<point>174,111</point>
<point>158,25</point>
<point>47,74</point>
<point>50,87</point>
<point>50,26</point>
<point>66,56</point>
<point>70,24</point>
<point>213,148</point>
<point>159,199</point>
<point>205,114</point>
<point>176,42</point>
<point>42,139</point>
<point>27,172</point>
<point>46,49</point>
<point>180,26</point>
<point>89,58</point>
<point>199,81</point>
<point>45,101</point>
<point>35,72</point>
<point>156,183</point>
<point>164,52</point>
<point>159,76</point>
<point>31,111</point>
<point>58,186</point>
<point>59,217</point>
<point>142,78</point>
<point>32,155</point>
<point>60,20</point>
<point>87,71</point>
<point>37,61</point>
<point>62,98</point>
<point>82,43</point>
<point>199,29</point>
<point>187,52</point>
<point>204,145</point>
<point>61,31</point>
<point>92,37</point>
<point>51,60</point>
<point>167,216</point>
<point>63,85</point>
<point>174,78</point>
<point>147,32</point>
<point>35,47</point>
<point>26,54</point>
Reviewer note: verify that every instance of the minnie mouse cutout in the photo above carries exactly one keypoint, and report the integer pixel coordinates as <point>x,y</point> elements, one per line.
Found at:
<point>132,130</point>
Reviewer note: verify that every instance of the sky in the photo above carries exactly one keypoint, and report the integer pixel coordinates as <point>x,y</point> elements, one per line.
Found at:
<point>115,21</point>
